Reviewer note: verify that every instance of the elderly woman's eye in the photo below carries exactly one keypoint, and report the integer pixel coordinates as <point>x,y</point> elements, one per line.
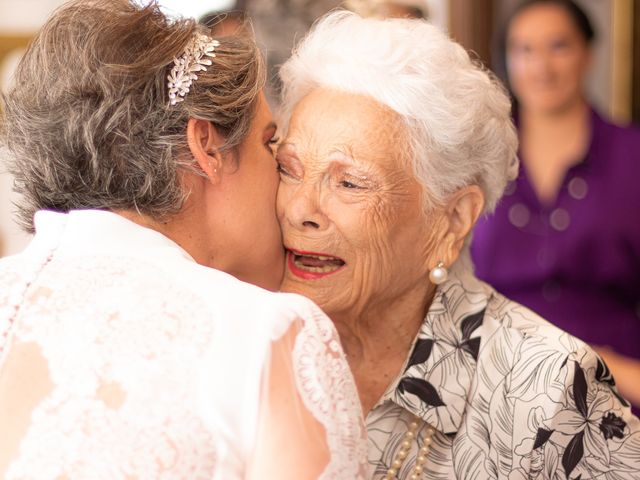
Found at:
<point>350,185</point>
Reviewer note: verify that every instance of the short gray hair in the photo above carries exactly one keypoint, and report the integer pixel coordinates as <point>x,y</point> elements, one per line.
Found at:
<point>457,114</point>
<point>87,123</point>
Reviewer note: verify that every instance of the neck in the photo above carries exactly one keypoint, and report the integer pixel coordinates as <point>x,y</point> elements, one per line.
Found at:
<point>378,339</point>
<point>551,120</point>
<point>385,329</point>
<point>186,228</point>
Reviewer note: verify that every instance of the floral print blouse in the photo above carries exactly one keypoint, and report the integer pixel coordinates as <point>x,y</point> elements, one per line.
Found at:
<point>510,396</point>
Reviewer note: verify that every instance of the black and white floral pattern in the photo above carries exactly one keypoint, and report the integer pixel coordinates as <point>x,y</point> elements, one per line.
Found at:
<point>511,396</point>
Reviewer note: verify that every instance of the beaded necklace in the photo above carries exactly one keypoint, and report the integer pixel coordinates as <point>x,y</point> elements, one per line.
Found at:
<point>403,452</point>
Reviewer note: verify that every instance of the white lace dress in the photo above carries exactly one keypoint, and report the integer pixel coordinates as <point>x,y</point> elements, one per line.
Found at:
<point>121,358</point>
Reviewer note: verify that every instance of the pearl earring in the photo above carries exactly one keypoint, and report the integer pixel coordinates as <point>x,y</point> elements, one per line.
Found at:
<point>439,274</point>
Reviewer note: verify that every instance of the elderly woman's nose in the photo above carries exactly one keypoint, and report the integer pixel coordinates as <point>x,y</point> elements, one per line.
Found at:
<point>304,210</point>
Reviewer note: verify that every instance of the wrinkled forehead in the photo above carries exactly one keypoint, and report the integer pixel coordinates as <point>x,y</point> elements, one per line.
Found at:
<point>327,121</point>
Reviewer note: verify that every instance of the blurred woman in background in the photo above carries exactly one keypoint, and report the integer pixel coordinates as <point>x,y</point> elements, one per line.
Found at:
<point>565,241</point>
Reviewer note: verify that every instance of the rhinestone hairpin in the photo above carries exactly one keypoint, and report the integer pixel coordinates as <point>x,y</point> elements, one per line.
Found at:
<point>196,58</point>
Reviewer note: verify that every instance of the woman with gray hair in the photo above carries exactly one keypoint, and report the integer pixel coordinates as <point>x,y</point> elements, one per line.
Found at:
<point>396,144</point>
<point>127,347</point>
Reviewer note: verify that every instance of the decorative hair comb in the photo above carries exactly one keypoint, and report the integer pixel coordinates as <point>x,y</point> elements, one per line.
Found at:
<point>196,58</point>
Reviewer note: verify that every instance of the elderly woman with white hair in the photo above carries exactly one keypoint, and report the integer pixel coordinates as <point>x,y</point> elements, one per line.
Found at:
<point>396,144</point>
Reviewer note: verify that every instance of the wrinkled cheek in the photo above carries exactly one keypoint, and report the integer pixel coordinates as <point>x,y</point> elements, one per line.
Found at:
<point>374,269</point>
<point>378,242</point>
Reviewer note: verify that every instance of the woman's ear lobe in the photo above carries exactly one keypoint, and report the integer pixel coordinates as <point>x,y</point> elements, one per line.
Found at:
<point>205,143</point>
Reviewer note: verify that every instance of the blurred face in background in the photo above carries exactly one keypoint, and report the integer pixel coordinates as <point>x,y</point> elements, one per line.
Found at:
<point>547,59</point>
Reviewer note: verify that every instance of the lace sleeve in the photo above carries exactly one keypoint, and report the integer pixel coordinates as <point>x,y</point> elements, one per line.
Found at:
<point>310,422</point>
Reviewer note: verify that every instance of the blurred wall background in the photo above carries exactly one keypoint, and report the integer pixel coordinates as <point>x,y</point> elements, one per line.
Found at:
<point>19,19</point>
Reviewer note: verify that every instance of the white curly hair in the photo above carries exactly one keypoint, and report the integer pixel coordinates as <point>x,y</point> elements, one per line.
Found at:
<point>457,114</point>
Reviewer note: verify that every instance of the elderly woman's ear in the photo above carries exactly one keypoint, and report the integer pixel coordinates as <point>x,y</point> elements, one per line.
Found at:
<point>462,211</point>
<point>204,142</point>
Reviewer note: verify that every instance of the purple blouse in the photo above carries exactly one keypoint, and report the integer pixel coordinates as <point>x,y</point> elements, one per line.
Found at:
<point>575,262</point>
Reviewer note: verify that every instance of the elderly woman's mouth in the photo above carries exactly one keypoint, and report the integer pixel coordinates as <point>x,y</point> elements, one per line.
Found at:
<point>312,265</point>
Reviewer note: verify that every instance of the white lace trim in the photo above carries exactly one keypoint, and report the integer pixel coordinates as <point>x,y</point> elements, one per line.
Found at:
<point>329,393</point>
